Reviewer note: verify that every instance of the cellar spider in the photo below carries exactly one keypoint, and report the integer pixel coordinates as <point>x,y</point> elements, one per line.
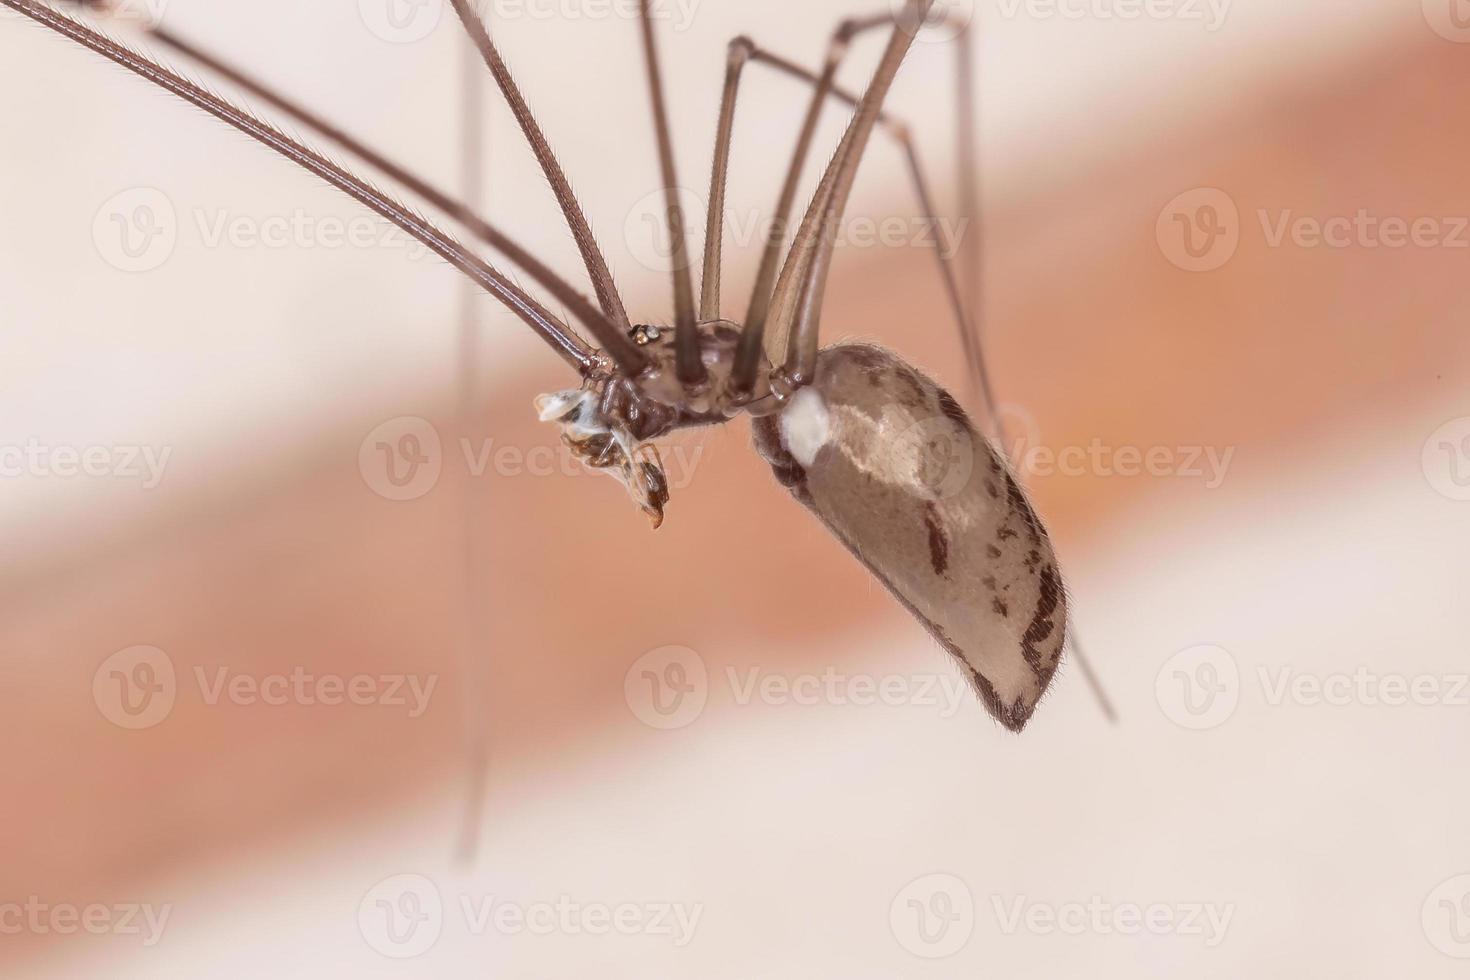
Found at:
<point>881,454</point>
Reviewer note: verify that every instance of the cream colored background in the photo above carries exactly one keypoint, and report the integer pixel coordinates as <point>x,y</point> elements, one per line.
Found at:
<point>1322,830</point>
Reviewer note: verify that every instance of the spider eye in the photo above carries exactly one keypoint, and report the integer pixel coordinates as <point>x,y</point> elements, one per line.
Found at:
<point>645,334</point>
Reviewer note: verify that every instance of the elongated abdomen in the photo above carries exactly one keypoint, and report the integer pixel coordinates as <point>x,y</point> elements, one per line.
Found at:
<point>892,465</point>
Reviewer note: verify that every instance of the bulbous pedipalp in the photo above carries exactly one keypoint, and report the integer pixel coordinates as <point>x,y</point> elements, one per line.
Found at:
<point>606,447</point>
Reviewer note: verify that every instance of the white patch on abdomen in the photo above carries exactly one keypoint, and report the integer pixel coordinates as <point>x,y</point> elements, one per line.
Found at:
<point>805,425</point>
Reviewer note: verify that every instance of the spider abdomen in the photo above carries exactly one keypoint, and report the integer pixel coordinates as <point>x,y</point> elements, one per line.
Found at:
<point>892,465</point>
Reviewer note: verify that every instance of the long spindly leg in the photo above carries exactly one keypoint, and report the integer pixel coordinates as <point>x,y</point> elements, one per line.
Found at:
<point>596,321</point>
<point>903,136</point>
<point>758,311</point>
<point>537,317</point>
<point>801,357</point>
<point>714,226</point>
<point>741,51</point>
<point>791,288</point>
<point>476,644</point>
<point>597,270</point>
<point>688,364</point>
<point>747,358</point>
<point>753,339</point>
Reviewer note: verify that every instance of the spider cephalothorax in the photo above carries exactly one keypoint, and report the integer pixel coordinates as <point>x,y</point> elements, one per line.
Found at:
<point>610,422</point>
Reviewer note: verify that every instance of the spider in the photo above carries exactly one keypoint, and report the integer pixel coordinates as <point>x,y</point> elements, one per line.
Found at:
<point>886,458</point>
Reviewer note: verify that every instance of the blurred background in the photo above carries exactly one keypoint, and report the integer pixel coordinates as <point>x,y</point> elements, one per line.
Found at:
<point>271,709</point>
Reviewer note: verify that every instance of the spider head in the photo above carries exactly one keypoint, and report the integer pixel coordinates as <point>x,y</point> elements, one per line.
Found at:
<point>609,423</point>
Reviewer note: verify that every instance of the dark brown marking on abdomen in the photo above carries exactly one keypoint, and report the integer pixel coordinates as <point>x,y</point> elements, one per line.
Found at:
<point>953,411</point>
<point>1043,623</point>
<point>938,539</point>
